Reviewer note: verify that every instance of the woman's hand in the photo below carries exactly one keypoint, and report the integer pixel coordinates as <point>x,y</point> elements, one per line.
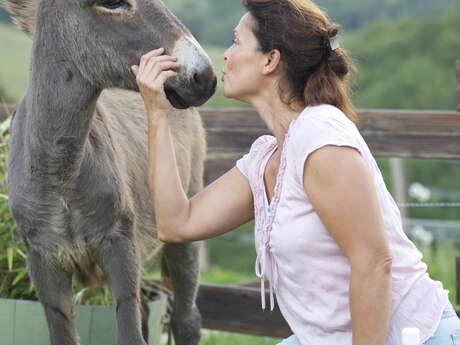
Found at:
<point>151,74</point>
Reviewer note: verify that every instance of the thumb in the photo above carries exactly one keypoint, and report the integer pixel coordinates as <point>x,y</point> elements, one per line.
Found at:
<point>135,69</point>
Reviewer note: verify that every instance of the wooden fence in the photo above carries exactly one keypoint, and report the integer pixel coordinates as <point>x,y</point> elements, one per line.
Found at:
<point>230,132</point>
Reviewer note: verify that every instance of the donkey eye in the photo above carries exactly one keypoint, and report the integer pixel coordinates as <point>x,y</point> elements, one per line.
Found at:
<point>114,4</point>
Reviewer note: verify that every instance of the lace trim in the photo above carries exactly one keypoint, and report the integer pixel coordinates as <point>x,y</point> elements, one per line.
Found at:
<point>264,224</point>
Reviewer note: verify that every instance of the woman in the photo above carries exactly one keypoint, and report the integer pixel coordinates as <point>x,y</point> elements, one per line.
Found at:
<point>328,233</point>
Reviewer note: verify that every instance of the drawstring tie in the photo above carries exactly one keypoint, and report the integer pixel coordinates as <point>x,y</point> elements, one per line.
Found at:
<point>265,259</point>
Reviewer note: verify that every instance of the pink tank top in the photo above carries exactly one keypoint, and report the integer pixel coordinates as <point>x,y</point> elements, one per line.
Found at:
<point>303,264</point>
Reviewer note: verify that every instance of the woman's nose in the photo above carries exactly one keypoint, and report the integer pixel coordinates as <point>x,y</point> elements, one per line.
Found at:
<point>226,54</point>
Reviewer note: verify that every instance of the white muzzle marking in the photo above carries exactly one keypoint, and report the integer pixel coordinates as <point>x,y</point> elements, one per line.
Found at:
<point>191,56</point>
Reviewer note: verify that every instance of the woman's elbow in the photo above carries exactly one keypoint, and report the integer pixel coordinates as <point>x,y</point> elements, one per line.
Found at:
<point>168,237</point>
<point>381,265</point>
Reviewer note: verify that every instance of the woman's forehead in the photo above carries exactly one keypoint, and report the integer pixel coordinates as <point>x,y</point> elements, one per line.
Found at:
<point>245,23</point>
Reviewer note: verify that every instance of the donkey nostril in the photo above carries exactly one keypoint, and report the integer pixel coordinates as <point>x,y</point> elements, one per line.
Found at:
<point>197,79</point>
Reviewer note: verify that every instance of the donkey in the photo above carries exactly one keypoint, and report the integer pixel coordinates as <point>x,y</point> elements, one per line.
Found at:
<point>77,168</point>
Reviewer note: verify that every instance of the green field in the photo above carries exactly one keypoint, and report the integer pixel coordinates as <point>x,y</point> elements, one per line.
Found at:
<point>14,61</point>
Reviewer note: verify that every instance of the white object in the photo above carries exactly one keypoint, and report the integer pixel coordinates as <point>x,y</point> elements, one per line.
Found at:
<point>334,42</point>
<point>419,192</point>
<point>410,336</point>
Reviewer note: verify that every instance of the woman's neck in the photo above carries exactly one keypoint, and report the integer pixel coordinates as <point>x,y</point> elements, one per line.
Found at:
<point>276,114</point>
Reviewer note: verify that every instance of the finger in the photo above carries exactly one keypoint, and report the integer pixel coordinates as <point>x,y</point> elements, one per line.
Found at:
<point>157,60</point>
<point>161,80</point>
<point>156,69</point>
<point>135,69</point>
<point>152,61</point>
<point>145,58</point>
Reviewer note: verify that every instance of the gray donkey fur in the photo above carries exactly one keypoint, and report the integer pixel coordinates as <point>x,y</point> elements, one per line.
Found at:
<point>77,170</point>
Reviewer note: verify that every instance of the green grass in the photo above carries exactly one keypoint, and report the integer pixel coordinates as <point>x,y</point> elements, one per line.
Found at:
<point>225,338</point>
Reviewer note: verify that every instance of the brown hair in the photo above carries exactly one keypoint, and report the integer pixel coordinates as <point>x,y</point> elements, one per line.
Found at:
<point>301,31</point>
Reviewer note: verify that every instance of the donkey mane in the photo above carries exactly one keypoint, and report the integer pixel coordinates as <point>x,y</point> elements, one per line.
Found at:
<point>23,12</point>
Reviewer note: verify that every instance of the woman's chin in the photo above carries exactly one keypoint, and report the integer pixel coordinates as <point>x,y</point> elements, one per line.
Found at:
<point>227,94</point>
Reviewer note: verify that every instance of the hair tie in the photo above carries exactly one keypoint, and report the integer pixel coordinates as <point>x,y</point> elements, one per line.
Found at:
<point>334,43</point>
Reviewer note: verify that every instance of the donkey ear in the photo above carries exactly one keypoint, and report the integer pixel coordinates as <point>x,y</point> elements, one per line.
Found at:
<point>23,13</point>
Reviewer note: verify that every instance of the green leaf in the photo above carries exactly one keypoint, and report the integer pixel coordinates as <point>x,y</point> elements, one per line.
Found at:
<point>20,275</point>
<point>9,254</point>
<point>5,125</point>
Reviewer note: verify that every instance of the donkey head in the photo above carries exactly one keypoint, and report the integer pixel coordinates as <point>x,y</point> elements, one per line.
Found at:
<point>103,38</point>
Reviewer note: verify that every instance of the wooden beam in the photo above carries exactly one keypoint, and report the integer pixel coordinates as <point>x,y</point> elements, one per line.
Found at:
<point>238,309</point>
<point>235,308</point>
<point>395,133</point>
<point>218,164</point>
<point>391,133</point>
<point>458,84</point>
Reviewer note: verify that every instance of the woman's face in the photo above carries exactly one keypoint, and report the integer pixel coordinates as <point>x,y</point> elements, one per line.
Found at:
<point>244,61</point>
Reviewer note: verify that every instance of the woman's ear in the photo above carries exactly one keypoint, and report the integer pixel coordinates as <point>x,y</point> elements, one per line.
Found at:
<point>272,61</point>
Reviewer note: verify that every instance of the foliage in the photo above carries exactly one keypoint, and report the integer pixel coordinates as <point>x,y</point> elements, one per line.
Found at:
<point>409,64</point>
<point>14,280</point>
<point>213,21</point>
<point>225,338</point>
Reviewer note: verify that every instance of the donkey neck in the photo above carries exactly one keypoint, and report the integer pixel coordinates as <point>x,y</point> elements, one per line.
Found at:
<point>60,105</point>
<point>61,101</point>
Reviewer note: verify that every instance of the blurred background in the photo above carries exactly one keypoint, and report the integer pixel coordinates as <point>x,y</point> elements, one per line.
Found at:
<point>405,52</point>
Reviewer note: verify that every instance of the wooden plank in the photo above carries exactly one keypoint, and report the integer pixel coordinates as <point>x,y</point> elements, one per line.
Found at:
<point>238,309</point>
<point>413,121</point>
<point>396,133</point>
<point>218,164</point>
<point>235,308</point>
<point>458,84</point>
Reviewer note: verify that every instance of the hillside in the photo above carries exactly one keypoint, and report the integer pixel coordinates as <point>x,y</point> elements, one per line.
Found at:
<point>409,63</point>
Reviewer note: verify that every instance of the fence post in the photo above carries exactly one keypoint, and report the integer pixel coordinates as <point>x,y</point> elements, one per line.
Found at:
<point>458,85</point>
<point>399,183</point>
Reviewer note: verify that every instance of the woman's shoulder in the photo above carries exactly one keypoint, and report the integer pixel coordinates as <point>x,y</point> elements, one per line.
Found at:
<point>262,143</point>
<point>323,114</point>
<point>325,120</point>
<point>319,126</point>
<point>249,162</point>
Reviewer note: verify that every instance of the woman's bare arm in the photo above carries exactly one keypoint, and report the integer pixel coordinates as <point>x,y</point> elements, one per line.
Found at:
<point>342,192</point>
<point>222,206</point>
